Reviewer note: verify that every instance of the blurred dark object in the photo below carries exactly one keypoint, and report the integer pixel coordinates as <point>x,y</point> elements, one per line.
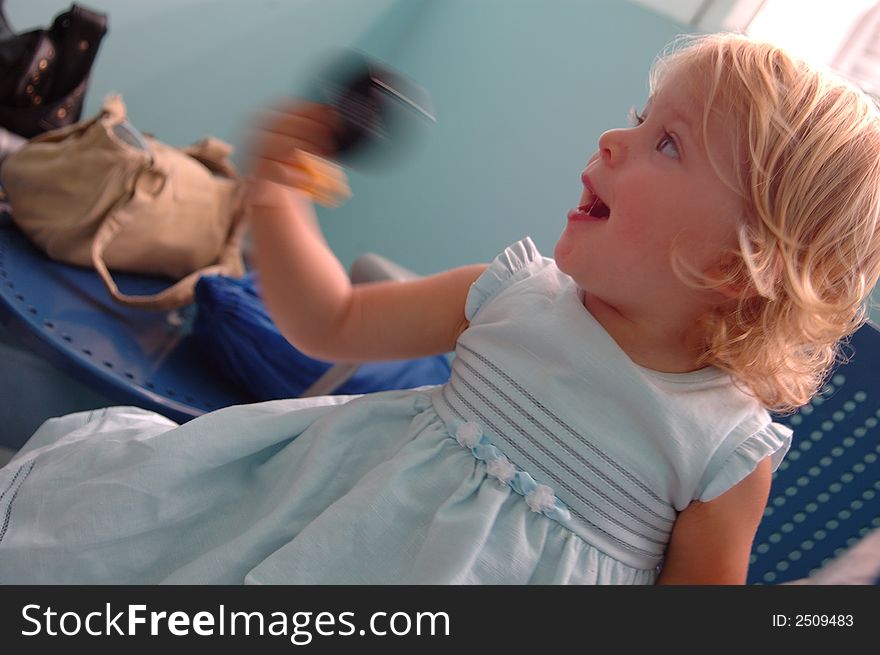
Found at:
<point>44,73</point>
<point>382,110</point>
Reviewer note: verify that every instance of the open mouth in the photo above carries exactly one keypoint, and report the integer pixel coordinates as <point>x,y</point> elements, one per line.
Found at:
<point>597,208</point>
<point>592,207</point>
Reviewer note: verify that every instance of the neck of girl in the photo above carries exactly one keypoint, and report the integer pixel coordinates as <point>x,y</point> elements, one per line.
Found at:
<point>668,342</point>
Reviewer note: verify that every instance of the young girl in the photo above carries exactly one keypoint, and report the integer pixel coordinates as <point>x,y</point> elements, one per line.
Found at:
<point>606,419</point>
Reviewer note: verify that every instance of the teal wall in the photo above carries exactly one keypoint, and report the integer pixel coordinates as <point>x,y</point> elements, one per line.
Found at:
<point>522,90</point>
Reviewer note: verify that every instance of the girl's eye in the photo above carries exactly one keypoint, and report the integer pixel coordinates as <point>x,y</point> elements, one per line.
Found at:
<point>667,146</point>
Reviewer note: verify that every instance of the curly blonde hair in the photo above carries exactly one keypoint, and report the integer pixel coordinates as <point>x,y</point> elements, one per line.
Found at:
<point>807,161</point>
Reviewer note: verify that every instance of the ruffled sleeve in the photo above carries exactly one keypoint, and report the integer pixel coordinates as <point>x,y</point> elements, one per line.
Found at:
<point>773,440</point>
<point>509,265</point>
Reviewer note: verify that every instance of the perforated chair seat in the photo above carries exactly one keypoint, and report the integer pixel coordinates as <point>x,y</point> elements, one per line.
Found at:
<point>64,314</point>
<point>825,497</point>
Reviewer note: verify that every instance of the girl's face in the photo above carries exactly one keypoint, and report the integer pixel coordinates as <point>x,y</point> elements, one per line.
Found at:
<point>659,189</point>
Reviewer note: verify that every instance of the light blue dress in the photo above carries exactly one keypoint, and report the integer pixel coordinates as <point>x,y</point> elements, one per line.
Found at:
<point>549,457</point>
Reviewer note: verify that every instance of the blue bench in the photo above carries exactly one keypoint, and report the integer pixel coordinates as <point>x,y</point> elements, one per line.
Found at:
<point>64,315</point>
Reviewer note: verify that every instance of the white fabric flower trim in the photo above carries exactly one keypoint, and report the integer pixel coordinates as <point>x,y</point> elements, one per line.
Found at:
<point>469,434</point>
<point>501,468</point>
<point>541,498</point>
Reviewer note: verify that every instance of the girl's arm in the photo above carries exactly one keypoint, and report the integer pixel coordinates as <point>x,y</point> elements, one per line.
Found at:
<point>711,541</point>
<point>306,289</point>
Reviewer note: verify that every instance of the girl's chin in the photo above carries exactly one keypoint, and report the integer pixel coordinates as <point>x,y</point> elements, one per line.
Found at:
<point>565,248</point>
<point>560,252</point>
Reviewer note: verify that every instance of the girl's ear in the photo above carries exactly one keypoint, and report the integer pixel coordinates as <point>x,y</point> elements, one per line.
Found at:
<point>735,282</point>
<point>733,278</point>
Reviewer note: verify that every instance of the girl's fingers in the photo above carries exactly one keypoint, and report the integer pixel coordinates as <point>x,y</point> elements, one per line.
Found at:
<point>325,182</point>
<point>282,147</point>
<point>280,173</point>
<point>317,112</point>
<point>290,146</point>
<point>312,126</point>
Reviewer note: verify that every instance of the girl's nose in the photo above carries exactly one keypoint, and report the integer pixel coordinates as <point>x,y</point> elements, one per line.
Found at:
<point>612,146</point>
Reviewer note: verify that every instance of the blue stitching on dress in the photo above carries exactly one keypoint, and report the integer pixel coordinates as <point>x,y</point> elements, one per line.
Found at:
<point>537,465</point>
<point>8,514</point>
<point>525,414</point>
<point>610,536</point>
<point>563,424</point>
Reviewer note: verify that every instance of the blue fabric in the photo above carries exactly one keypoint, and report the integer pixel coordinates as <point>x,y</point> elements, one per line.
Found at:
<point>238,336</point>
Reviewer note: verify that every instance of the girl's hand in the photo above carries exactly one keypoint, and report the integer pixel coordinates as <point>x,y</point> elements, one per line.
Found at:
<point>290,151</point>
<point>305,287</point>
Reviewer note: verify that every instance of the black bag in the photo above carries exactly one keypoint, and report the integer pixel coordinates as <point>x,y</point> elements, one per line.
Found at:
<point>44,73</point>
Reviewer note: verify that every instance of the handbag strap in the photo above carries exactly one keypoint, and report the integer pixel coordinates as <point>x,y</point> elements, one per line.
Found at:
<point>214,154</point>
<point>181,292</point>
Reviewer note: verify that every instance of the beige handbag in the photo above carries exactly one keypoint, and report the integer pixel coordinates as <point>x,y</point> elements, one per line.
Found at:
<point>97,193</point>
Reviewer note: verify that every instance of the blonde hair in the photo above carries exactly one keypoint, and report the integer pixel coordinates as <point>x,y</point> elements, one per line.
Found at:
<point>807,161</point>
